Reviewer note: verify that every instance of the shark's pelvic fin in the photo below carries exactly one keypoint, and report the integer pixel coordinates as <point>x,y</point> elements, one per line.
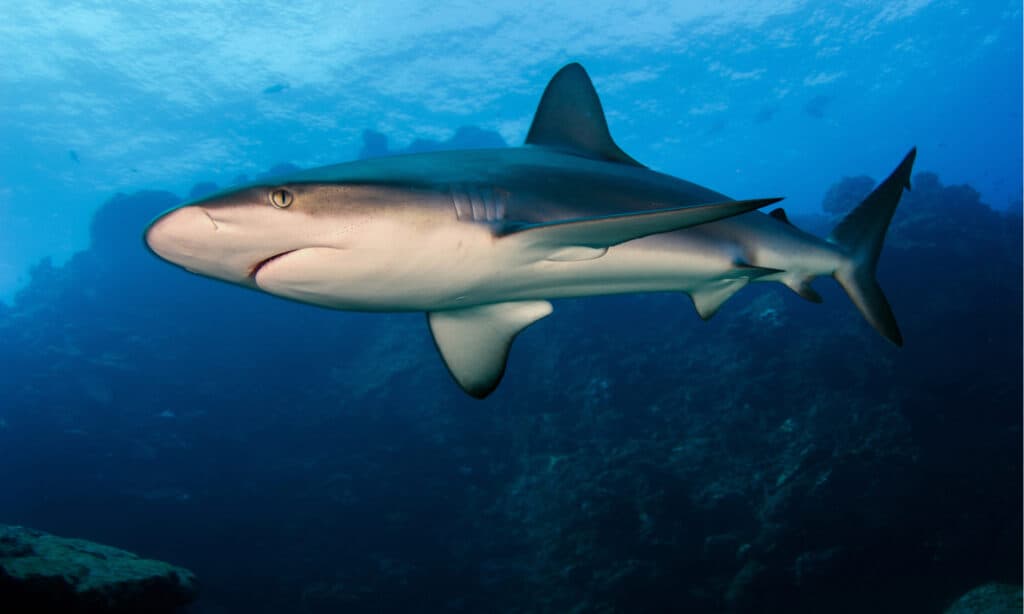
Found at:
<point>608,230</point>
<point>474,342</point>
<point>710,297</point>
<point>570,117</point>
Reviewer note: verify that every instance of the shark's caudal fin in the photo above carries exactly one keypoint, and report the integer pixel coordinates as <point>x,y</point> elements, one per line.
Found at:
<point>861,234</point>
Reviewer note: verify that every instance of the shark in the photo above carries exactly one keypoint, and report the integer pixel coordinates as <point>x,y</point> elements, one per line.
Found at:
<point>482,241</point>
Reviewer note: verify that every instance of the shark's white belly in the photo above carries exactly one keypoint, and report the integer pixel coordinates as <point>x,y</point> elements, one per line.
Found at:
<point>459,268</point>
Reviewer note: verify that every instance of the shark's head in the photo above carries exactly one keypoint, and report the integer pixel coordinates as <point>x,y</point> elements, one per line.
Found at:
<point>232,235</point>
<point>329,243</point>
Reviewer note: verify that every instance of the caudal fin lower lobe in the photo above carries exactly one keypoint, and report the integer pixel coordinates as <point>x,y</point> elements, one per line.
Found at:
<point>861,234</point>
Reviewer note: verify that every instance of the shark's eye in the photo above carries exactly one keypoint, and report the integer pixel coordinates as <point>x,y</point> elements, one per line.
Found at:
<point>281,198</point>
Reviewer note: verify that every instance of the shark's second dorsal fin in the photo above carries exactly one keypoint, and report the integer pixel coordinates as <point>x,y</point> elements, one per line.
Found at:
<point>570,117</point>
<point>780,214</point>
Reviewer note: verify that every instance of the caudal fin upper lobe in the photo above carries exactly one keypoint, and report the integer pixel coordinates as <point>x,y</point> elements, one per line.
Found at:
<point>861,235</point>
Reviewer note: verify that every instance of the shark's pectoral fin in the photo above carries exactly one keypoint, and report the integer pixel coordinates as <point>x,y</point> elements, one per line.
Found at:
<point>576,253</point>
<point>605,231</point>
<point>710,297</point>
<point>474,342</point>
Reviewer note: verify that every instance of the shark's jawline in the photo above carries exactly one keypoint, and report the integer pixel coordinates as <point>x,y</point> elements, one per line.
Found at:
<point>255,269</point>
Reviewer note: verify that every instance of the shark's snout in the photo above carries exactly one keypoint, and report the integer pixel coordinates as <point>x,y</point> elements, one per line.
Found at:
<point>180,236</point>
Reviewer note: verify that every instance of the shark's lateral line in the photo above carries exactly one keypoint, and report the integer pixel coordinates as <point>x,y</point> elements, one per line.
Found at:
<point>482,240</point>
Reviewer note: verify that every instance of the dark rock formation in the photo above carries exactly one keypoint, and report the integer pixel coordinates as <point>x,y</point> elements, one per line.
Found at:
<point>376,144</point>
<point>843,196</point>
<point>989,599</point>
<point>40,572</point>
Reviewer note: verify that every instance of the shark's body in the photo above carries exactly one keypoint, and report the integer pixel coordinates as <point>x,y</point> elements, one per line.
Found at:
<point>480,240</point>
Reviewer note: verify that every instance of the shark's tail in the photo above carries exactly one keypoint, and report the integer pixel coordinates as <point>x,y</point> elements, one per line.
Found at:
<point>861,234</point>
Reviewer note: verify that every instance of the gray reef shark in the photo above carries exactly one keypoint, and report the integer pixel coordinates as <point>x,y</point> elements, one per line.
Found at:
<point>481,240</point>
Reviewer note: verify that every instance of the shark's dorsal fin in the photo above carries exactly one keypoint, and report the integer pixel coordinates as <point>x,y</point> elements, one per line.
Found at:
<point>570,117</point>
<point>474,342</point>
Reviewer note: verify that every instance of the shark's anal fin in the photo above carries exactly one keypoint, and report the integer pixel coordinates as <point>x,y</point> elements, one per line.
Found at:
<point>570,117</point>
<point>608,230</point>
<point>802,287</point>
<point>474,342</point>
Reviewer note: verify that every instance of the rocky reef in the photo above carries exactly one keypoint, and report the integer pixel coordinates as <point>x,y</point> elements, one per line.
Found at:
<point>42,573</point>
<point>989,599</point>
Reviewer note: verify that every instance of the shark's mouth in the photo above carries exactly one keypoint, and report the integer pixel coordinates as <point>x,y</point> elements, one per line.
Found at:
<point>318,275</point>
<point>255,269</point>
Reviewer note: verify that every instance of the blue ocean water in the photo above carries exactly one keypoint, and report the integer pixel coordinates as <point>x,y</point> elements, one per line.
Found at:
<point>780,457</point>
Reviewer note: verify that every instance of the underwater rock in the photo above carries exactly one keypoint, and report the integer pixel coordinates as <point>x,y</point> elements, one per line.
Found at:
<point>989,599</point>
<point>765,114</point>
<point>817,106</point>
<point>376,144</point>
<point>281,168</point>
<point>202,189</point>
<point>40,572</point>
<point>843,196</point>
<point>277,88</point>
<point>116,229</point>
